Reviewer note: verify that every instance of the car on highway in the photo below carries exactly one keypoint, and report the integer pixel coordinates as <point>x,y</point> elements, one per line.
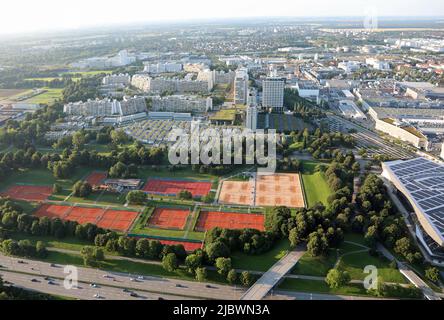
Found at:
<point>51,282</point>
<point>133,279</point>
<point>52,265</point>
<point>141,277</point>
<point>21,262</point>
<point>178,285</point>
<point>34,280</point>
<point>126,290</point>
<point>133,294</point>
<point>97,296</point>
<point>210,286</point>
<point>107,276</point>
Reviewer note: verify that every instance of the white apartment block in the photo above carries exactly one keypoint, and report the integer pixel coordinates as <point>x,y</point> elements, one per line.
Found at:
<point>273,93</point>
<point>180,103</point>
<point>241,86</point>
<point>158,85</point>
<point>166,67</point>
<point>117,80</point>
<point>251,120</point>
<point>106,107</point>
<point>377,64</point>
<point>349,66</point>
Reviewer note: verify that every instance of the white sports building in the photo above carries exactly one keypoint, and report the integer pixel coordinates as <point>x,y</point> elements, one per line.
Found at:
<point>421,183</point>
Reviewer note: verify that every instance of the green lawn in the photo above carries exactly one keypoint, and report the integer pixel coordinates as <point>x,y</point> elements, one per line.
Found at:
<point>261,262</point>
<point>321,287</point>
<point>51,242</point>
<point>315,266</point>
<point>48,97</point>
<point>315,185</point>
<point>131,267</point>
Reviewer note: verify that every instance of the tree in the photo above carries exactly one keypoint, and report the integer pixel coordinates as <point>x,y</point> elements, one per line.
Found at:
<point>169,262</point>
<point>246,278</point>
<point>201,274</point>
<point>82,189</point>
<point>223,265</point>
<point>92,255</point>
<point>432,274</point>
<point>192,262</point>
<point>119,137</point>
<point>293,236</point>
<point>232,276</point>
<point>217,249</point>
<point>185,195</point>
<point>78,139</point>
<point>57,188</point>
<point>136,197</point>
<point>336,278</point>
<point>317,244</point>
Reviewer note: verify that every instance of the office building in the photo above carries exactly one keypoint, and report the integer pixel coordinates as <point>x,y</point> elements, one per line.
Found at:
<point>273,93</point>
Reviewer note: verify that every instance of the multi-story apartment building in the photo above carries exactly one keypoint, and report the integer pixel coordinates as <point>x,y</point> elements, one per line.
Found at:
<point>158,85</point>
<point>273,93</point>
<point>241,86</point>
<point>106,107</point>
<point>180,103</point>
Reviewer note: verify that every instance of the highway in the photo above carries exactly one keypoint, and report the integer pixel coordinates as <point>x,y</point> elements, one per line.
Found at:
<point>149,284</point>
<point>273,276</point>
<point>82,292</point>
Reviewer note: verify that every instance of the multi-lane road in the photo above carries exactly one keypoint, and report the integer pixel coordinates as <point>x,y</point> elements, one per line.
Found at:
<point>109,284</point>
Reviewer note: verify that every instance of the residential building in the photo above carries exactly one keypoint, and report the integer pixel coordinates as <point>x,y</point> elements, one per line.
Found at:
<point>241,86</point>
<point>251,118</point>
<point>181,103</point>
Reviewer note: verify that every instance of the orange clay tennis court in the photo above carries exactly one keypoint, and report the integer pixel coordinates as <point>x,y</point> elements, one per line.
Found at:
<point>280,189</point>
<point>96,178</point>
<point>229,220</point>
<point>119,220</point>
<point>173,187</point>
<point>188,245</point>
<point>28,193</point>
<point>236,192</point>
<point>168,218</point>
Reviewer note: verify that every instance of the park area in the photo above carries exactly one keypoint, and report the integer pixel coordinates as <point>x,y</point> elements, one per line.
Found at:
<point>172,187</point>
<point>169,218</point>
<point>28,192</point>
<point>229,220</point>
<point>118,220</point>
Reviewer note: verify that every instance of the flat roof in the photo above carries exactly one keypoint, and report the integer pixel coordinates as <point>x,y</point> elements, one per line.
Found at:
<point>422,182</point>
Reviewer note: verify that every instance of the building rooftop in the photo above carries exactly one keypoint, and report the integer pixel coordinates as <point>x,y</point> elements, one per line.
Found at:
<point>422,183</point>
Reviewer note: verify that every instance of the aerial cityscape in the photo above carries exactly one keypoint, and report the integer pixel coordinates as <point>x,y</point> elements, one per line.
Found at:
<point>281,157</point>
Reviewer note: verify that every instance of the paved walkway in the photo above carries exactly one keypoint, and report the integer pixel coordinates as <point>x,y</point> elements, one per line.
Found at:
<point>411,275</point>
<point>273,276</point>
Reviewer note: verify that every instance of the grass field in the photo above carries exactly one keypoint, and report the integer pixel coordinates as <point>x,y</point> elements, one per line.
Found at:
<point>353,259</point>
<point>89,73</point>
<point>48,97</point>
<point>136,268</point>
<point>315,185</point>
<point>48,79</point>
<point>321,287</point>
<point>5,94</point>
<point>261,262</point>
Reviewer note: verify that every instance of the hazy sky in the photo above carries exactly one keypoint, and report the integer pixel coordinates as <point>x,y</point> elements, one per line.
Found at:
<point>19,16</point>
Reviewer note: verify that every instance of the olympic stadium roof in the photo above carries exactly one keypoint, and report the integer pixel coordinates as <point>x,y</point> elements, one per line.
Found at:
<point>422,182</point>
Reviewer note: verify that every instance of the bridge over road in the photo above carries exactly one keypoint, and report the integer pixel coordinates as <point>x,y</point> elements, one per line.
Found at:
<point>273,276</point>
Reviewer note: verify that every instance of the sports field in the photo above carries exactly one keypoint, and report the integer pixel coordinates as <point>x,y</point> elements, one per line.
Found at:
<point>237,192</point>
<point>28,192</point>
<point>189,246</point>
<point>229,220</point>
<point>173,187</point>
<point>168,218</point>
<point>119,220</point>
<point>96,178</point>
<point>279,189</point>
